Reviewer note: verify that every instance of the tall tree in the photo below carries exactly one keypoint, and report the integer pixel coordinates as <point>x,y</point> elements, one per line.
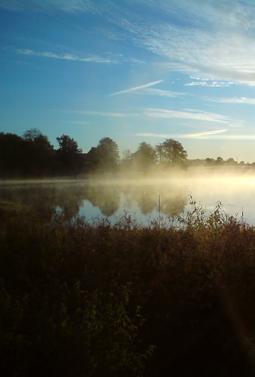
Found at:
<point>33,134</point>
<point>11,155</point>
<point>104,157</point>
<point>67,145</point>
<point>145,156</point>
<point>69,155</point>
<point>38,153</point>
<point>171,152</point>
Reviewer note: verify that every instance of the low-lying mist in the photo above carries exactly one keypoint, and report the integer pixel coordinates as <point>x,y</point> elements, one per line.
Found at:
<point>144,196</point>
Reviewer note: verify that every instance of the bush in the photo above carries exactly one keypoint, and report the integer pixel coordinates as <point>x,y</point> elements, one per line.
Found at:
<point>101,300</point>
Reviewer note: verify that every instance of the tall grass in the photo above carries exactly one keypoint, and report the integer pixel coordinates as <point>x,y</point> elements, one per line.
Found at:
<point>123,300</point>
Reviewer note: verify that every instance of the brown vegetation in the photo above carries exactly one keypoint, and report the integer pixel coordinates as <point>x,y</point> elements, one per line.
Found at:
<point>102,300</point>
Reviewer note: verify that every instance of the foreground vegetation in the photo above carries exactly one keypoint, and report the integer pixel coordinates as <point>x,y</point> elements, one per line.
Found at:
<point>102,300</point>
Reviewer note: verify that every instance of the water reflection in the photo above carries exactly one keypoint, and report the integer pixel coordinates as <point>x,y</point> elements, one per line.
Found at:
<point>139,198</point>
<point>93,200</point>
<point>106,198</point>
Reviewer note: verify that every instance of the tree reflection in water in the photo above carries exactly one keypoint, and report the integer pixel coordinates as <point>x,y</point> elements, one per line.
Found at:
<point>104,197</point>
<point>67,199</point>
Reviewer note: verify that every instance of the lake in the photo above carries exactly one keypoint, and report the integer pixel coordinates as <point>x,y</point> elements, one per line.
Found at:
<point>145,200</point>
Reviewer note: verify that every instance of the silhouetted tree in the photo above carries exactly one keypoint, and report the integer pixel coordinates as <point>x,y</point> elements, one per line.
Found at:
<point>145,156</point>
<point>219,161</point>
<point>38,153</point>
<point>231,162</point>
<point>209,161</point>
<point>33,155</point>
<point>171,152</point>
<point>11,155</point>
<point>104,157</point>
<point>69,155</point>
<point>67,145</point>
<point>30,155</point>
<point>33,134</point>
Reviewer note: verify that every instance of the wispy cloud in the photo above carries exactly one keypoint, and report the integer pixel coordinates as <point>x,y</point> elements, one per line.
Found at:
<point>159,113</point>
<point>162,93</point>
<point>66,56</point>
<point>192,115</point>
<point>100,113</point>
<point>224,56</point>
<point>207,135</point>
<point>210,83</point>
<point>234,100</point>
<point>47,5</point>
<point>136,88</point>
<point>194,135</point>
<point>217,40</point>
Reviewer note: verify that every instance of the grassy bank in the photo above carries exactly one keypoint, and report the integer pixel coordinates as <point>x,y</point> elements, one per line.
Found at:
<point>82,300</point>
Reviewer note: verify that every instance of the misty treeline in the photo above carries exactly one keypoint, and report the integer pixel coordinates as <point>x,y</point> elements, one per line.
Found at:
<point>32,155</point>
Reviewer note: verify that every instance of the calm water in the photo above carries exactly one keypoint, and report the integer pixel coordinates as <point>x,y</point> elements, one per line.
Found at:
<point>143,200</point>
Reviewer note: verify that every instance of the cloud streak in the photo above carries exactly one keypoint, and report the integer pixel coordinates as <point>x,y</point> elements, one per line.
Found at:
<point>224,56</point>
<point>217,40</point>
<point>100,113</point>
<point>159,113</point>
<point>191,115</point>
<point>48,5</point>
<point>210,83</point>
<point>164,114</point>
<point>197,135</point>
<point>162,93</point>
<point>194,135</point>
<point>207,135</point>
<point>136,88</point>
<point>234,100</point>
<point>66,56</point>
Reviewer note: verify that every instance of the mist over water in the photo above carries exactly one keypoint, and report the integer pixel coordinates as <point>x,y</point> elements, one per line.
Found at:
<point>144,199</point>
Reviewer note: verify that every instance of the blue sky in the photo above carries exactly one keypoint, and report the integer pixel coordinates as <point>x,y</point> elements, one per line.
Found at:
<point>134,70</point>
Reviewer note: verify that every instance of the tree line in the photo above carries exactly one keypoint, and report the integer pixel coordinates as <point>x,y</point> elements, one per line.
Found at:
<point>32,155</point>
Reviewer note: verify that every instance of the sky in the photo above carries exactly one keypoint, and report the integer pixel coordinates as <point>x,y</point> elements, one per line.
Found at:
<point>133,70</point>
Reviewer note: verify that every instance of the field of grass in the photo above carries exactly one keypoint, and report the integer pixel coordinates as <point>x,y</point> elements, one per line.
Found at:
<point>106,301</point>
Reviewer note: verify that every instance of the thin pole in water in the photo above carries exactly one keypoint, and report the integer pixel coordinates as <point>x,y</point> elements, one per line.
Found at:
<point>159,209</point>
